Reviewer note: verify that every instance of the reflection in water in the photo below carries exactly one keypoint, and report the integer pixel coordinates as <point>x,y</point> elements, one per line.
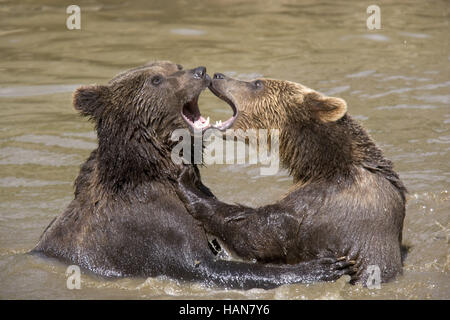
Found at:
<point>395,80</point>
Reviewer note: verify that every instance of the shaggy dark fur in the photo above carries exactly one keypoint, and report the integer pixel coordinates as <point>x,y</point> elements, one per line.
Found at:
<point>126,218</point>
<point>347,199</point>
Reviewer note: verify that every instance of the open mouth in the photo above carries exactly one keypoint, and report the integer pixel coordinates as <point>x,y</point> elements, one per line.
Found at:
<point>191,114</point>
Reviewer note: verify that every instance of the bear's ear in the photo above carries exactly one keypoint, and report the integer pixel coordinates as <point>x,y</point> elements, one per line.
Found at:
<point>327,109</point>
<point>90,100</point>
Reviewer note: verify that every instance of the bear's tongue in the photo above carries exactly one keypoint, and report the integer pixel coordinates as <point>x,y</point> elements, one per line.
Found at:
<point>191,114</point>
<point>201,122</point>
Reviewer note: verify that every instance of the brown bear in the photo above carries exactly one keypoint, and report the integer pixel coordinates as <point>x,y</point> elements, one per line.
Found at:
<point>346,201</point>
<point>126,218</point>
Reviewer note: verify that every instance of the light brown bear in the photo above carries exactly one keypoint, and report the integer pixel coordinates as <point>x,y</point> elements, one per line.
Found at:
<point>347,199</point>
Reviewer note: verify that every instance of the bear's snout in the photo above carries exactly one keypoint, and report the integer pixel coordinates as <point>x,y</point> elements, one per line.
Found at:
<point>200,73</point>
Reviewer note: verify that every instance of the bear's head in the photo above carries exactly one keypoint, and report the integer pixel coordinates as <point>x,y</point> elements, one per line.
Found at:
<point>153,96</point>
<point>135,114</point>
<point>274,104</point>
<point>318,140</point>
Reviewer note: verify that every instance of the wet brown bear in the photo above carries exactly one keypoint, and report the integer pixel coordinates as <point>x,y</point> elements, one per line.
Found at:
<point>347,199</point>
<point>126,218</point>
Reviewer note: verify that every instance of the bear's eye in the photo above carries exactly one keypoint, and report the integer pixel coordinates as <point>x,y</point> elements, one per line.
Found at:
<point>258,84</point>
<point>156,80</point>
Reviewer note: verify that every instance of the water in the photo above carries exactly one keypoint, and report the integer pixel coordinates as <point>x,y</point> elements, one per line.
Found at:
<point>396,81</point>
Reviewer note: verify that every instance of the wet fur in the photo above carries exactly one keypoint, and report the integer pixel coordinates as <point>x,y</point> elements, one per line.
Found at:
<point>126,218</point>
<point>347,199</point>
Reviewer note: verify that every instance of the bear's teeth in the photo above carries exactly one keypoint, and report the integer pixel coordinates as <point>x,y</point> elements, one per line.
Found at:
<point>218,123</point>
<point>201,124</point>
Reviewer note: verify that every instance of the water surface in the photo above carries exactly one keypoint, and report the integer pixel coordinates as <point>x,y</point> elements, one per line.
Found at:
<point>396,81</point>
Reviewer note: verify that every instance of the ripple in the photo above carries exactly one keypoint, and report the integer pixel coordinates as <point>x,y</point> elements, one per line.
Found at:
<point>390,78</point>
<point>360,117</point>
<point>243,76</point>
<point>435,86</point>
<point>361,74</point>
<point>18,156</point>
<point>376,37</point>
<point>13,182</point>
<point>407,106</point>
<point>336,90</point>
<point>429,176</point>
<point>27,91</point>
<point>445,99</point>
<point>49,140</point>
<point>403,90</point>
<point>90,134</point>
<point>188,32</point>
<point>414,35</point>
<point>372,37</point>
<point>442,139</point>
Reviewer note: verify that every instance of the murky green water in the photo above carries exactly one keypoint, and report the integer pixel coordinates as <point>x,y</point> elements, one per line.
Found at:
<point>396,81</point>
